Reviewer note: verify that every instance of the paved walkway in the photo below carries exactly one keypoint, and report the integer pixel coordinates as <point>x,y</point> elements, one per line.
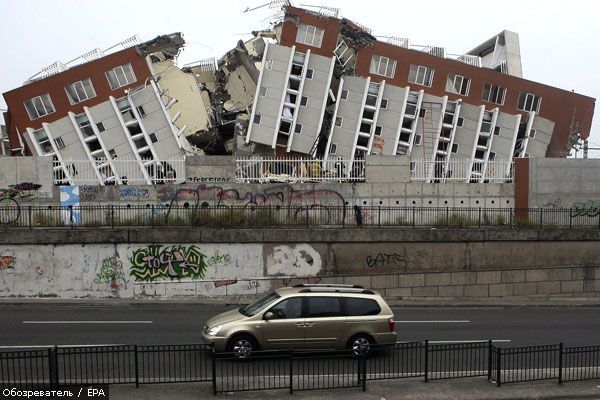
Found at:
<point>409,389</point>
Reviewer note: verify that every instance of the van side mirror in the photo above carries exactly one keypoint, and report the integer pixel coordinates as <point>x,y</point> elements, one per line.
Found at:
<point>268,316</point>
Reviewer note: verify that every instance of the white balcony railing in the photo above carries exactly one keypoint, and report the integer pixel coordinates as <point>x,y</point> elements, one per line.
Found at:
<point>264,170</point>
<point>461,171</point>
<point>124,172</point>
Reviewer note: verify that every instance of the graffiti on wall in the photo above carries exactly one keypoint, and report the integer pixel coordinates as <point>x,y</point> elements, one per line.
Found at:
<point>90,193</point>
<point>133,193</point>
<point>400,260</point>
<point>111,272</point>
<point>10,209</point>
<point>161,262</point>
<point>6,262</point>
<point>299,260</point>
<point>590,208</point>
<point>298,201</point>
<point>69,200</point>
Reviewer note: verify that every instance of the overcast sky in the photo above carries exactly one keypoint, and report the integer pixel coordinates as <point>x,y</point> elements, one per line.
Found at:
<point>558,38</point>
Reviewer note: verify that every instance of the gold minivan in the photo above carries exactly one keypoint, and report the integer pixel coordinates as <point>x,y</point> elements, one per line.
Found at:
<point>305,317</point>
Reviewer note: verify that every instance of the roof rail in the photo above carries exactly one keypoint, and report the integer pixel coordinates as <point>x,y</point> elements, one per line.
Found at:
<point>328,285</point>
<point>336,290</point>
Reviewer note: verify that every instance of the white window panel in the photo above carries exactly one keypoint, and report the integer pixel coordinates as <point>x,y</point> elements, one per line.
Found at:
<point>39,106</point>
<point>458,84</point>
<point>383,66</point>
<point>309,35</point>
<point>80,91</point>
<point>529,102</point>
<point>494,93</point>
<point>421,75</point>
<point>120,76</point>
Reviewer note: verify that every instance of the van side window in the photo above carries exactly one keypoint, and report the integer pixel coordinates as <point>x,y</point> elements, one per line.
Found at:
<point>288,308</point>
<point>319,307</point>
<point>357,306</point>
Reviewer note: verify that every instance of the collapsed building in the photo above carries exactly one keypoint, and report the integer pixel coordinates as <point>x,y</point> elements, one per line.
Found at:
<point>313,85</point>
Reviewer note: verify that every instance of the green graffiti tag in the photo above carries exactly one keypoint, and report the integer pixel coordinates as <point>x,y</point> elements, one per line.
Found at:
<point>111,271</point>
<point>159,262</point>
<point>590,208</point>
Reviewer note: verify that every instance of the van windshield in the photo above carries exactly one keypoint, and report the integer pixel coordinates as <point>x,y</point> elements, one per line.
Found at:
<point>252,309</point>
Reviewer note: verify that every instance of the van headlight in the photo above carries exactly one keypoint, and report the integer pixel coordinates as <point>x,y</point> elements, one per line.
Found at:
<point>215,330</point>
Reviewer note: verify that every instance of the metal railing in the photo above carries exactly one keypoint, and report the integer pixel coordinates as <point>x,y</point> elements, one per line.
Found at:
<point>119,172</point>
<point>200,214</point>
<point>265,170</point>
<point>462,171</point>
<point>64,366</point>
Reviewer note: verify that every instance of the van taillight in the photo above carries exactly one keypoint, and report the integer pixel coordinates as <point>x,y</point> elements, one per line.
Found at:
<point>392,324</point>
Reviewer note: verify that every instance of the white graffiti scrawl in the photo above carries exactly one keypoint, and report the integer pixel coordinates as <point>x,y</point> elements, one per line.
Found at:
<point>299,260</point>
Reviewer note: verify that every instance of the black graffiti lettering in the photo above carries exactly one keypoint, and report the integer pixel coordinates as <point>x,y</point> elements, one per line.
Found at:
<point>395,260</point>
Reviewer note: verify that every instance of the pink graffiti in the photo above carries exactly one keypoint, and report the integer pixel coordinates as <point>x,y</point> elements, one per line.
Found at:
<point>225,282</point>
<point>6,262</point>
<point>313,280</point>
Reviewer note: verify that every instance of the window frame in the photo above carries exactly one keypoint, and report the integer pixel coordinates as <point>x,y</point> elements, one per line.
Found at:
<point>316,35</point>
<point>535,101</point>
<point>308,307</point>
<point>385,72</point>
<point>451,84</point>
<point>427,72</point>
<point>73,87</point>
<point>491,98</point>
<point>42,103</point>
<point>254,121</point>
<point>115,75</point>
<point>333,148</point>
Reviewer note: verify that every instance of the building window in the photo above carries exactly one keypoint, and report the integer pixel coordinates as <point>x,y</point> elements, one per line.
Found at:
<point>333,148</point>
<point>532,133</point>
<point>384,104</point>
<point>454,147</point>
<point>257,118</point>
<point>378,130</point>
<point>417,140</point>
<point>112,153</point>
<point>303,101</point>
<point>120,76</point>
<point>298,128</point>
<point>39,106</point>
<point>100,127</point>
<point>529,102</point>
<point>59,143</point>
<point>383,66</point>
<point>460,121</point>
<point>492,156</point>
<point>458,84</point>
<point>309,73</point>
<point>153,137</point>
<point>493,93</point>
<point>84,125</point>
<point>421,75</point>
<point>338,121</point>
<point>141,111</point>
<point>80,91</point>
<point>43,141</point>
<point>344,94</point>
<point>309,35</point>
<point>263,91</point>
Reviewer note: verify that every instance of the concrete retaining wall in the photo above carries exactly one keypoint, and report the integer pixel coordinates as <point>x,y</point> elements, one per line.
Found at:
<point>210,264</point>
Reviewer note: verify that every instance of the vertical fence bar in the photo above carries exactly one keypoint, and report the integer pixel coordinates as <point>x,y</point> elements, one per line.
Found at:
<point>498,366</point>
<point>560,363</point>
<point>291,372</point>
<point>541,216</point>
<point>214,370</point>
<point>479,217</point>
<point>413,216</point>
<point>489,359</point>
<point>30,219</point>
<point>379,216</point>
<point>307,222</point>
<point>426,360</point>
<point>137,374</point>
<point>363,360</point>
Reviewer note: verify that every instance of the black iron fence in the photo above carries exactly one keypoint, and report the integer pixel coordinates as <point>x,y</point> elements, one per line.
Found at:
<point>252,216</point>
<point>65,366</point>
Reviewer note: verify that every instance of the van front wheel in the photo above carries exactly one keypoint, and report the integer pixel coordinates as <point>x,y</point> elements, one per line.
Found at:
<point>242,346</point>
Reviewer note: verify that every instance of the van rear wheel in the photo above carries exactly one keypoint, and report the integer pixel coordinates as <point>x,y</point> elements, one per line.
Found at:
<point>360,344</point>
<point>242,346</point>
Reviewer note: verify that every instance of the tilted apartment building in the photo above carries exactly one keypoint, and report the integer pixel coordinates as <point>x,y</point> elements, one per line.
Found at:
<point>388,97</point>
<point>106,108</point>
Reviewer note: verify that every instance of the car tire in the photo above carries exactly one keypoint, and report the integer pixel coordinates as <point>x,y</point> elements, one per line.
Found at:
<point>242,345</point>
<point>360,344</point>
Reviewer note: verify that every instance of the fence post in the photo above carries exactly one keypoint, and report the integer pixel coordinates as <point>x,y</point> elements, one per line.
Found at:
<point>413,221</point>
<point>560,364</point>
<point>447,217</point>
<point>426,360</point>
<point>291,371</point>
<point>498,365</point>
<point>55,360</point>
<point>112,216</point>
<point>214,370</point>
<point>480,217</point>
<point>512,210</point>
<point>307,222</point>
<point>541,216</point>
<point>364,372</point>
<point>51,370</point>
<point>30,219</point>
<point>379,216</point>
<point>152,216</point>
<point>137,374</point>
<point>71,216</point>
<point>489,359</point>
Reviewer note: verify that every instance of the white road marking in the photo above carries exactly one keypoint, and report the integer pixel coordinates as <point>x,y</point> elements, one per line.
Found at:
<point>45,346</point>
<point>88,322</point>
<point>435,322</point>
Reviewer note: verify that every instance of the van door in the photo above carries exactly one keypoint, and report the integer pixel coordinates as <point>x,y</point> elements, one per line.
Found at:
<point>286,329</point>
<point>325,322</point>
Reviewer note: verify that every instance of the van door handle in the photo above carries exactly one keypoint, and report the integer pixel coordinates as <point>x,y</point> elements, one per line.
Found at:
<point>309,324</point>
<point>300,324</point>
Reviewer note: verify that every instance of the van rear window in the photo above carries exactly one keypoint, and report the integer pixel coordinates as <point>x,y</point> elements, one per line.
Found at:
<point>357,306</point>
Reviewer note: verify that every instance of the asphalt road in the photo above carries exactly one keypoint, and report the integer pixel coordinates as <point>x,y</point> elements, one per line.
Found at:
<point>43,325</point>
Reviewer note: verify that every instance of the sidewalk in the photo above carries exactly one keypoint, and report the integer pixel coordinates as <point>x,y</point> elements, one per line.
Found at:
<point>409,389</point>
